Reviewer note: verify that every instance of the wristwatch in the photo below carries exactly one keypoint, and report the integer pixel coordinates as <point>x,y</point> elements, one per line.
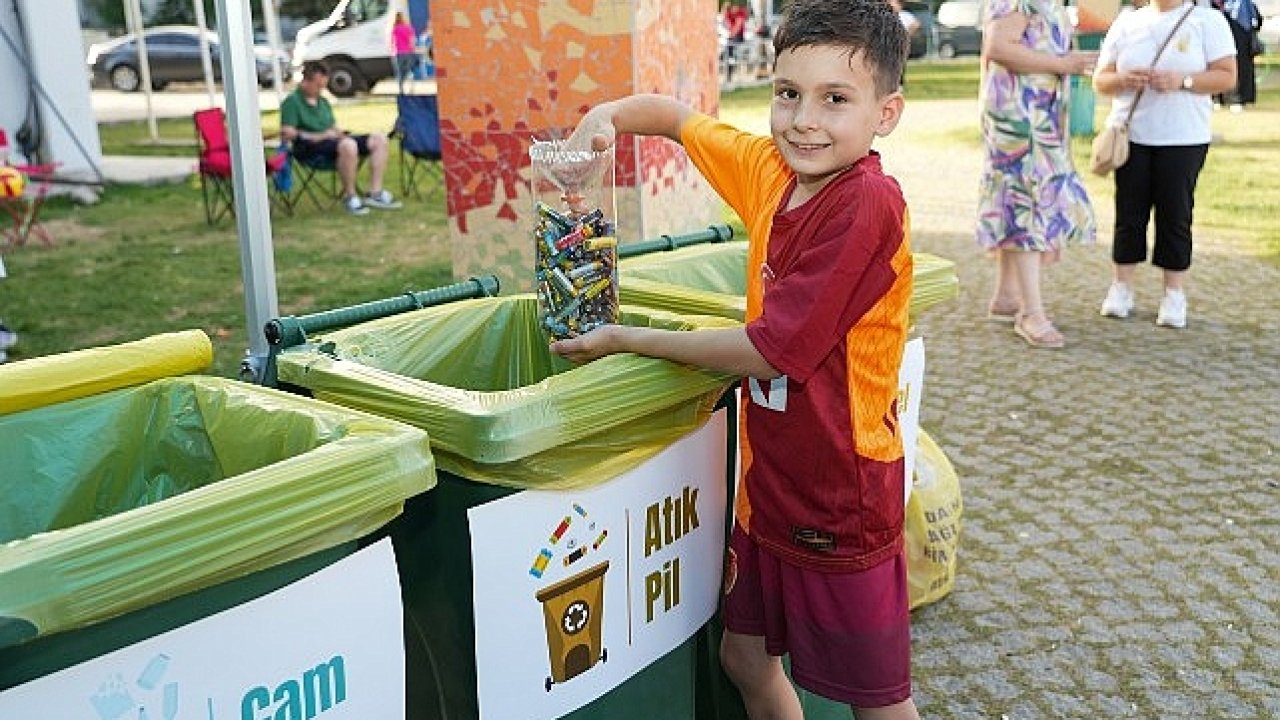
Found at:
<point>1188,83</point>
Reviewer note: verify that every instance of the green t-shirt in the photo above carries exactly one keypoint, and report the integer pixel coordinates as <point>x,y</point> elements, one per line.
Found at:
<point>297,113</point>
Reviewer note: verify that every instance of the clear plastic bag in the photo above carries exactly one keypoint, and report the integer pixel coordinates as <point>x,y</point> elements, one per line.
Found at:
<point>575,213</point>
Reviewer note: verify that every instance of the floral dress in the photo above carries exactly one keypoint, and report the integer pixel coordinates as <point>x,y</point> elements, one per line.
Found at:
<point>1031,197</point>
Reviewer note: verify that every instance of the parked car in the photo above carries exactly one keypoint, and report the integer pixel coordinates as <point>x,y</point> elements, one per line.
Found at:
<point>174,55</point>
<point>959,28</point>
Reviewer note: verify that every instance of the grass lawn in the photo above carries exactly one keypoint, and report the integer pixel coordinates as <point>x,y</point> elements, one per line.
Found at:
<point>144,261</point>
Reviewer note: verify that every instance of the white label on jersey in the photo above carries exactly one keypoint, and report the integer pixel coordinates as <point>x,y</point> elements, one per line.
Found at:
<point>776,399</point>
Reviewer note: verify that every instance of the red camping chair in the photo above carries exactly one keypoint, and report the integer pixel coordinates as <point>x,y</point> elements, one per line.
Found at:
<point>24,210</point>
<point>215,167</point>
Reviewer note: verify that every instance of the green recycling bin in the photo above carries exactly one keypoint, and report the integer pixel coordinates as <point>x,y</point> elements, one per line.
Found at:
<point>1083,101</point>
<point>569,591</point>
<point>1083,104</point>
<point>711,280</point>
<point>132,506</point>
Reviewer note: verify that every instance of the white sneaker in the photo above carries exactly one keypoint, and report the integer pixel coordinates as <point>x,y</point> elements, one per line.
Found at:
<point>354,206</point>
<point>1173,310</point>
<point>7,337</point>
<point>1119,301</point>
<point>382,200</point>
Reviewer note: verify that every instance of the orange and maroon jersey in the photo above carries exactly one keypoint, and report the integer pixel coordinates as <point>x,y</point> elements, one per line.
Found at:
<point>828,289</point>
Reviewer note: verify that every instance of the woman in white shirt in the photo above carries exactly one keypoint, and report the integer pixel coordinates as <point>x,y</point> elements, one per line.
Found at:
<point>1168,138</point>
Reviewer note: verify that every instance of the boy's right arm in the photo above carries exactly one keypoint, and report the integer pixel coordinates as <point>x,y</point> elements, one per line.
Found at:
<point>634,114</point>
<point>726,350</point>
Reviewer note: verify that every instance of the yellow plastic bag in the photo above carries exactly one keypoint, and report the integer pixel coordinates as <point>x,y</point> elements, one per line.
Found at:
<point>932,528</point>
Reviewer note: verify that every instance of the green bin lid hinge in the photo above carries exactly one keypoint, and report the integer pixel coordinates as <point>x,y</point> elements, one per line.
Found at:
<point>291,331</point>
<point>713,234</point>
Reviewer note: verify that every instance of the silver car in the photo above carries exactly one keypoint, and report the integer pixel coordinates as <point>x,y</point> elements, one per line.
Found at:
<point>174,55</point>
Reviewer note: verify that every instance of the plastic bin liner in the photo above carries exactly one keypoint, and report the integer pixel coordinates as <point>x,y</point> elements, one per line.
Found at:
<point>114,502</point>
<point>499,406</point>
<point>47,380</point>
<point>711,280</point>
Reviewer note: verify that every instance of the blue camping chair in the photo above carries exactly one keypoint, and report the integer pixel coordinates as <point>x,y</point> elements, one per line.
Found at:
<point>418,127</point>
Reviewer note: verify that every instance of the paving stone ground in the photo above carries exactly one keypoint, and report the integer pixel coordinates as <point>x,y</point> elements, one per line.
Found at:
<point>1119,556</point>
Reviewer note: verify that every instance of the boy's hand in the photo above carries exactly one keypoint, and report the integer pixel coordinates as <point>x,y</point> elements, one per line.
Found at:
<point>595,130</point>
<point>587,347</point>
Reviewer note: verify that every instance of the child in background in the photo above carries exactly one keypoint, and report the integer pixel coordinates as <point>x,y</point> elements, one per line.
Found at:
<point>816,566</point>
<point>402,39</point>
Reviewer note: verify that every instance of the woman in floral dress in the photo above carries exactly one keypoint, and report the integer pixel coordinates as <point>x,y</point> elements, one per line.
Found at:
<point>1032,202</point>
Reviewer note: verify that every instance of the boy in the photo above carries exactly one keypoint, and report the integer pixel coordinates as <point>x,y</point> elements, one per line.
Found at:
<point>815,563</point>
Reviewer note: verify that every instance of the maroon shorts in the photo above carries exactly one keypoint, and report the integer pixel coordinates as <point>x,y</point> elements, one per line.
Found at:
<point>849,634</point>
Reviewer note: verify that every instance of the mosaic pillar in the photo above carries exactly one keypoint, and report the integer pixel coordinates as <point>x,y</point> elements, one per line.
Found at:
<point>509,71</point>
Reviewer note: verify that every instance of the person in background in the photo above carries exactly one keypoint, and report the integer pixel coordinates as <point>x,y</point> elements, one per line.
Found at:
<point>1169,138</point>
<point>912,25</point>
<point>307,123</point>
<point>1245,21</point>
<point>1031,200</point>
<point>402,40</point>
<point>816,564</point>
<point>735,25</point>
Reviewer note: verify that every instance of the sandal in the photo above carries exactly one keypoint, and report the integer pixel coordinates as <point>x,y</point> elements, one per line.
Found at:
<point>1002,313</point>
<point>1044,336</point>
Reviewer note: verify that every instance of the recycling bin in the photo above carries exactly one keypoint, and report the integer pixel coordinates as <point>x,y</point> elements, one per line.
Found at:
<point>560,589</point>
<point>133,502</point>
<point>1083,105</point>
<point>711,280</point>
<point>1083,101</point>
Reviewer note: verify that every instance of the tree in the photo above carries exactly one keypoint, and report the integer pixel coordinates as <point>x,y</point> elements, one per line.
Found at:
<point>177,12</point>
<point>308,9</point>
<point>108,13</point>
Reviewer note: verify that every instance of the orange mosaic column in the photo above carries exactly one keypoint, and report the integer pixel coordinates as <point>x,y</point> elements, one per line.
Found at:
<point>510,71</point>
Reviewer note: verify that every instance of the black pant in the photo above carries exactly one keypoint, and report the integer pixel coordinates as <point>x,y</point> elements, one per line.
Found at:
<point>1163,178</point>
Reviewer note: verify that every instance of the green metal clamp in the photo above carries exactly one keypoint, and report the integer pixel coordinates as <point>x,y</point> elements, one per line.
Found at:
<point>713,234</point>
<point>291,331</point>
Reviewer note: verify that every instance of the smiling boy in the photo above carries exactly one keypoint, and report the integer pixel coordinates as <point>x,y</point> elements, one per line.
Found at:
<point>816,561</point>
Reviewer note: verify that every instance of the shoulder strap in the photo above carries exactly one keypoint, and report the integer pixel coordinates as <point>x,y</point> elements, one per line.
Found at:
<point>1190,9</point>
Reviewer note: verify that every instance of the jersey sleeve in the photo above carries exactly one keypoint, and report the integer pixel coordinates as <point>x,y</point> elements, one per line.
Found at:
<point>743,168</point>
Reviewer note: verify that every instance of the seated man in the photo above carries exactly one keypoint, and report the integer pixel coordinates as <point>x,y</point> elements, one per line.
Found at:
<point>306,121</point>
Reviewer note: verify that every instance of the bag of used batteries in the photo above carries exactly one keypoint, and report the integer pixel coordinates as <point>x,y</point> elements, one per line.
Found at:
<point>576,250</point>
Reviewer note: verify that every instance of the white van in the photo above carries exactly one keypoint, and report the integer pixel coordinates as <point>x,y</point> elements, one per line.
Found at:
<point>354,41</point>
<point>959,28</point>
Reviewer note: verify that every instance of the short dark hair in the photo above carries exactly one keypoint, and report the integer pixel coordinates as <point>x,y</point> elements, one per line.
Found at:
<point>867,26</point>
<point>312,68</point>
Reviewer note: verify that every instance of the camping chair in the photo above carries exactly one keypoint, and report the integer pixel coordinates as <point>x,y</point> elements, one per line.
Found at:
<point>215,167</point>
<point>418,127</point>
<point>24,210</point>
<point>315,179</point>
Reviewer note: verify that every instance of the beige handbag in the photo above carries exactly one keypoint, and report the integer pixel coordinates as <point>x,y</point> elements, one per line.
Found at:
<point>1111,146</point>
